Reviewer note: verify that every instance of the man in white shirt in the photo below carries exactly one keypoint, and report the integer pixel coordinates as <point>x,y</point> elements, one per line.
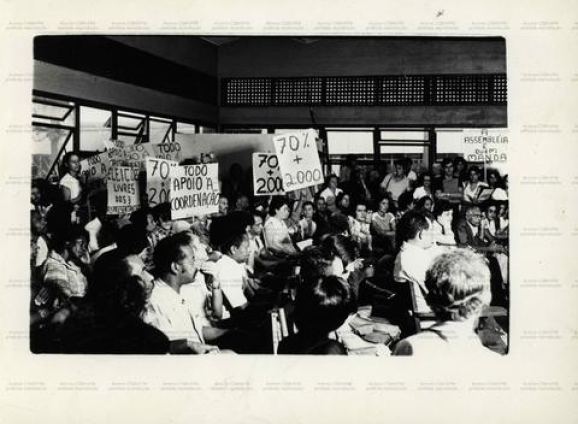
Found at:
<point>167,309</point>
<point>231,269</point>
<point>416,255</point>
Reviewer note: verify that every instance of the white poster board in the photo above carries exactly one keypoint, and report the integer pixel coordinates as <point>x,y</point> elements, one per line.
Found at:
<point>194,190</point>
<point>298,159</point>
<point>485,145</point>
<point>123,190</point>
<point>97,168</point>
<point>267,178</point>
<point>135,155</point>
<point>158,180</point>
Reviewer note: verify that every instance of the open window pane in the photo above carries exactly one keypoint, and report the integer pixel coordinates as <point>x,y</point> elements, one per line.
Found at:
<point>95,128</point>
<point>161,131</point>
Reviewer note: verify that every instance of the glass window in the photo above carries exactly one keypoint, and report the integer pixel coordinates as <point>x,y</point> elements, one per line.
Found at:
<point>161,130</point>
<point>47,142</point>
<point>131,125</point>
<point>95,128</point>
<point>350,142</point>
<point>52,111</point>
<point>184,128</point>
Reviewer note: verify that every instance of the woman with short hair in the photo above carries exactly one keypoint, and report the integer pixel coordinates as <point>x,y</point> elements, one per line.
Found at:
<point>458,286</point>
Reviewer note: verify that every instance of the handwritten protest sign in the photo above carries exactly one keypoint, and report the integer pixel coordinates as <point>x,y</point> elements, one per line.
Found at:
<point>266,175</point>
<point>298,159</point>
<point>194,190</point>
<point>158,180</point>
<point>135,155</point>
<point>96,167</point>
<point>485,145</point>
<point>123,190</point>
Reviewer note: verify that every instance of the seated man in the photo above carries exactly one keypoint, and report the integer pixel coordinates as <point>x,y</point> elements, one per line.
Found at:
<point>417,252</point>
<point>470,233</point>
<point>167,309</point>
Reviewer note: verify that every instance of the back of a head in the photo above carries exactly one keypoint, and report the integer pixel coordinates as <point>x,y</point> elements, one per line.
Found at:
<point>323,305</point>
<point>459,285</point>
<point>409,226</point>
<point>114,291</point>
<point>338,223</point>
<point>131,240</point>
<point>341,246</point>
<point>442,206</point>
<point>316,263</point>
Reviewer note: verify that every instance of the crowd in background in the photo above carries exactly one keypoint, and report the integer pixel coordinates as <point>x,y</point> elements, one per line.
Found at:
<point>143,283</point>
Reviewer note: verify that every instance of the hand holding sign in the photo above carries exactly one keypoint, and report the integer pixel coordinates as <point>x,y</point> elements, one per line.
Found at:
<point>298,159</point>
<point>266,175</point>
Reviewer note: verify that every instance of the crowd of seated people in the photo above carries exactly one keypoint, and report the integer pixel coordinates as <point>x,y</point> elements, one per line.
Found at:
<point>144,283</point>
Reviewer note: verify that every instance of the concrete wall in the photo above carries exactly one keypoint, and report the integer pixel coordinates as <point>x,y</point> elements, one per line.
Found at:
<point>285,57</point>
<point>69,82</point>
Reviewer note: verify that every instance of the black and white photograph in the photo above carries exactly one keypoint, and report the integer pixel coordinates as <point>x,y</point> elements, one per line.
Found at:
<point>270,195</point>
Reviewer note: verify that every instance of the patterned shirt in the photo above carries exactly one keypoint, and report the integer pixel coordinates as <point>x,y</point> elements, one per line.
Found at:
<point>64,276</point>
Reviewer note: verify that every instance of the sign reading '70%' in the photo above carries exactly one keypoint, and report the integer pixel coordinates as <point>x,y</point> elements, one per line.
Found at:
<point>298,159</point>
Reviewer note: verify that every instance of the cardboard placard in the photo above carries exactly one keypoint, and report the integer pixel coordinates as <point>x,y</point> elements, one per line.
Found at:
<point>158,180</point>
<point>123,190</point>
<point>298,159</point>
<point>96,167</point>
<point>485,145</point>
<point>267,178</point>
<point>194,190</point>
<point>135,155</point>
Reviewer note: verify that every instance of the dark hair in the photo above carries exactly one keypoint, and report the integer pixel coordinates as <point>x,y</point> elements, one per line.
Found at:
<point>316,262</point>
<point>260,214</point>
<point>339,198</point>
<point>442,206</point>
<point>67,234</point>
<point>131,240</point>
<point>420,204</point>
<point>328,178</point>
<point>459,159</point>
<point>277,203</point>
<point>169,250</point>
<point>66,158</point>
<point>405,199</point>
<point>162,211</point>
<point>322,305</point>
<point>421,178</point>
<point>499,181</point>
<point>410,224</point>
<point>340,245</point>
<point>307,203</point>
<point>229,231</point>
<point>447,161</point>
<point>114,291</point>
<point>338,223</point>
<point>234,240</point>
<point>475,169</point>
<point>361,203</point>
<point>139,218</point>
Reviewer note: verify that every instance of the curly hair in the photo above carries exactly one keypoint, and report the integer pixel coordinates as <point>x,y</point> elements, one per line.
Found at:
<point>459,285</point>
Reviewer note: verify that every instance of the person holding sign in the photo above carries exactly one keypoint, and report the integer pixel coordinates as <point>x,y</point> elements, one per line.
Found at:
<point>277,236</point>
<point>70,184</point>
